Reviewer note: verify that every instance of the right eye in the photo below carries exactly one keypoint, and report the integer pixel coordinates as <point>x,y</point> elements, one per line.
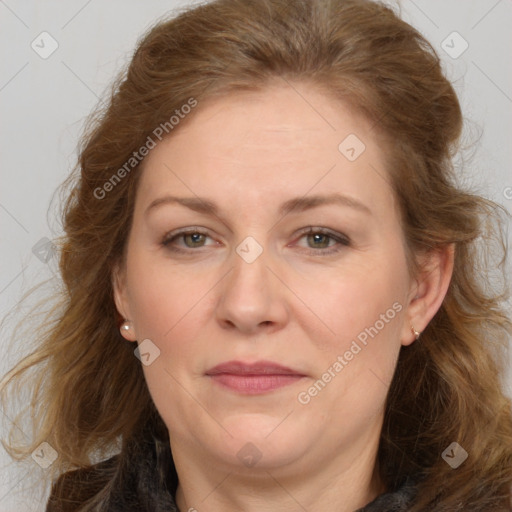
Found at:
<point>185,240</point>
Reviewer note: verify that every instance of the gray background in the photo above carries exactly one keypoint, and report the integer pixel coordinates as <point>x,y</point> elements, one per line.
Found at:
<point>44,101</point>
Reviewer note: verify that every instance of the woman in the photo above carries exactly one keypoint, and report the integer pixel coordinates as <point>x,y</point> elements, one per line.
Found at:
<point>273,298</point>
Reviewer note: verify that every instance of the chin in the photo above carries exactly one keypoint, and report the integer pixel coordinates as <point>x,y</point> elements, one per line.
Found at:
<point>263,441</point>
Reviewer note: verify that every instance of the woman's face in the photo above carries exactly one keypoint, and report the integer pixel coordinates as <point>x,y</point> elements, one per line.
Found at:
<point>266,267</point>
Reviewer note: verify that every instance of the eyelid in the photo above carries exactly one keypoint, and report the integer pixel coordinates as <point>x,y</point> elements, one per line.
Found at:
<point>187,230</point>
<point>324,231</point>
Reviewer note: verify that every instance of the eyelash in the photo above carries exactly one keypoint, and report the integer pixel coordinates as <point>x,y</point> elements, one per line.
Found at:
<point>342,240</point>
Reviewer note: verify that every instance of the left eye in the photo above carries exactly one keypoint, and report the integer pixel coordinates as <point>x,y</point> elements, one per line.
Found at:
<point>194,239</point>
<point>324,242</point>
<point>319,240</point>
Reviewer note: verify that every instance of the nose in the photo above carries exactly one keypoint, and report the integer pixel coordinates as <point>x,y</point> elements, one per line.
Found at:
<point>252,299</point>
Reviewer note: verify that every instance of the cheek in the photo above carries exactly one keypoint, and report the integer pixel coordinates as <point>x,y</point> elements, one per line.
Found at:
<point>363,308</point>
<point>365,313</point>
<point>170,309</point>
<point>162,299</point>
<point>361,301</point>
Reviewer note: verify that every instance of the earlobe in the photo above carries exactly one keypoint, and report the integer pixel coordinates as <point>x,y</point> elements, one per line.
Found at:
<point>119,291</point>
<point>127,332</point>
<point>428,290</point>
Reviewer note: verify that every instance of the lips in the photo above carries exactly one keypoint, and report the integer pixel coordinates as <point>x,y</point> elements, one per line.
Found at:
<point>253,378</point>
<point>258,368</point>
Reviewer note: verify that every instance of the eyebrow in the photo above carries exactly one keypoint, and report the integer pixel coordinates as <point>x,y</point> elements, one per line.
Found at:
<point>294,205</point>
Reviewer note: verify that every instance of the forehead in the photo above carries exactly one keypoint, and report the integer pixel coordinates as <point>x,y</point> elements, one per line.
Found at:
<point>282,140</point>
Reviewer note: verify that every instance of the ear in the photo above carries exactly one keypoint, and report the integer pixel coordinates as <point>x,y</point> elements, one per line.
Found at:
<point>428,290</point>
<point>121,300</point>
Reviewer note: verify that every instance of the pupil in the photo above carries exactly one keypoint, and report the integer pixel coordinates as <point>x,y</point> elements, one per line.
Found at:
<point>195,238</point>
<point>319,240</point>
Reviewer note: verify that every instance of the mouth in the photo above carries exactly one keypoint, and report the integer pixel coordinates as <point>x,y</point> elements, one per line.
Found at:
<point>253,378</point>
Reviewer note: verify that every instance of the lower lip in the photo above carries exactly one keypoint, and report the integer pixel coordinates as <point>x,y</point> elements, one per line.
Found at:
<point>254,384</point>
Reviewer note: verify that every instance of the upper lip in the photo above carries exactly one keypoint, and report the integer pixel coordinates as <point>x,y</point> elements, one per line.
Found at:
<point>257,368</point>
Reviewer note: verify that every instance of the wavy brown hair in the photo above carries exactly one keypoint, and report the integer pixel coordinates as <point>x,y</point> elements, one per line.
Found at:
<point>88,389</point>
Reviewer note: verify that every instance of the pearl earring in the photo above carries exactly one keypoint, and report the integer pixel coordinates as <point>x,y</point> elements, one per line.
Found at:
<point>415,332</point>
<point>126,326</point>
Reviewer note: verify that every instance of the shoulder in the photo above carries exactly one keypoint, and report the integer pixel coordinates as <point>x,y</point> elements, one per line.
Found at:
<point>75,488</point>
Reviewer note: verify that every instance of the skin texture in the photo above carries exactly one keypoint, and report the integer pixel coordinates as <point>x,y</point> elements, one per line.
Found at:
<point>295,304</point>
